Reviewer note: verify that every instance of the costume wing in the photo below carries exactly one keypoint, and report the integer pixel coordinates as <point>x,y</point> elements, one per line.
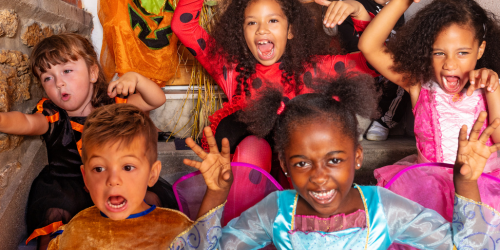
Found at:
<point>431,185</point>
<point>250,185</point>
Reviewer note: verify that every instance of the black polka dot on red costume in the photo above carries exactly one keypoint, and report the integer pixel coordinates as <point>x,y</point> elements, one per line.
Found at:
<point>192,51</point>
<point>255,176</point>
<point>285,100</point>
<point>224,71</point>
<point>202,43</point>
<point>339,67</point>
<point>308,79</point>
<point>371,67</point>
<point>197,14</point>
<point>256,83</point>
<point>186,17</point>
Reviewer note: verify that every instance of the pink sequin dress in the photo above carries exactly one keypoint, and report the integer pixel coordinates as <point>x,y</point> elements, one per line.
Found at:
<point>438,119</point>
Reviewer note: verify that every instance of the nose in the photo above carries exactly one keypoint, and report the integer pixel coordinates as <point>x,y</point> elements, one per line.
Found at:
<point>262,29</point>
<point>60,82</point>
<point>450,63</point>
<point>318,175</point>
<point>114,179</point>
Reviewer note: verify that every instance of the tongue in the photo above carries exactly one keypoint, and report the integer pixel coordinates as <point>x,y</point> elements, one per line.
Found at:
<point>116,200</point>
<point>452,80</point>
<point>264,48</point>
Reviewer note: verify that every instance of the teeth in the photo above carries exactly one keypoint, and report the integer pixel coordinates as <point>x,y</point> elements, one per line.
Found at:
<point>263,42</point>
<point>322,195</point>
<point>117,206</point>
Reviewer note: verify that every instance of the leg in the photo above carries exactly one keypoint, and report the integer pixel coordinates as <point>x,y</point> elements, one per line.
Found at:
<point>53,215</point>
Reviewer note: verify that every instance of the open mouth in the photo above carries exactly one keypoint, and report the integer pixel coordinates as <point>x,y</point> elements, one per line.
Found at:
<point>65,96</point>
<point>451,84</point>
<point>116,203</point>
<point>265,49</point>
<point>323,197</point>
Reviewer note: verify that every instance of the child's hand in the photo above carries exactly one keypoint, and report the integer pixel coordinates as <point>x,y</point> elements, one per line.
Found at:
<point>338,11</point>
<point>473,153</point>
<point>483,78</point>
<point>215,167</point>
<point>124,86</point>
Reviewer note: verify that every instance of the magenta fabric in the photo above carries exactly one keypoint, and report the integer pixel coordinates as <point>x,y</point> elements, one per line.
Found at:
<point>338,222</point>
<point>251,184</point>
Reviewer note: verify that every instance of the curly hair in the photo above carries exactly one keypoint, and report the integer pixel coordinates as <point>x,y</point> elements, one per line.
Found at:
<point>228,40</point>
<point>412,45</point>
<point>62,48</point>
<point>355,92</point>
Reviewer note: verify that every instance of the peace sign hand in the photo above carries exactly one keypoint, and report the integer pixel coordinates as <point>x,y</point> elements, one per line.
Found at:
<point>215,167</point>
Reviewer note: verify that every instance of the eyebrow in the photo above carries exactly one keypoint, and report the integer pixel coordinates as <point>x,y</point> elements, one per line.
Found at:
<point>329,153</point>
<point>270,15</point>
<point>463,48</point>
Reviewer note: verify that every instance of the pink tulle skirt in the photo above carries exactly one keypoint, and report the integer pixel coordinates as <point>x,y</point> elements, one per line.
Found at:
<point>431,185</point>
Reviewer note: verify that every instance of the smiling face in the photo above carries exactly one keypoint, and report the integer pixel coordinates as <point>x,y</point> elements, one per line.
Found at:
<point>70,86</point>
<point>266,30</point>
<point>455,54</point>
<point>117,177</point>
<point>321,161</point>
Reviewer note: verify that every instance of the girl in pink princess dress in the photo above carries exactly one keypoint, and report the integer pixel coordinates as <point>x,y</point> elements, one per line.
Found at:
<point>446,58</point>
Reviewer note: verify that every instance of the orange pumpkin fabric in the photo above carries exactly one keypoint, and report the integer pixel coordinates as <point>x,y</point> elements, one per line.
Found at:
<point>136,40</point>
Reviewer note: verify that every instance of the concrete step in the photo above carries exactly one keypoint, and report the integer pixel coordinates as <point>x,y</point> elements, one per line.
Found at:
<point>376,154</point>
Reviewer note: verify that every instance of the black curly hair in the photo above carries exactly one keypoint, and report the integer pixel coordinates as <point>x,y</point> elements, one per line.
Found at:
<point>229,40</point>
<point>412,45</point>
<point>356,94</point>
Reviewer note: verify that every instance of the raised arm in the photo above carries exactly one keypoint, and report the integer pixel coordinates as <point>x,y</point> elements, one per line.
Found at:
<point>18,123</point>
<point>143,93</point>
<point>186,27</point>
<point>372,42</point>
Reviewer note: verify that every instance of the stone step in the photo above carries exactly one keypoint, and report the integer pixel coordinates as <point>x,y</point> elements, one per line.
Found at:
<point>376,154</point>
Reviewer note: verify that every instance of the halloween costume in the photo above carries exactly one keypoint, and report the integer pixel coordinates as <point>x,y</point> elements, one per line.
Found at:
<point>60,185</point>
<point>137,40</point>
<point>155,228</point>
<point>196,39</point>
<point>386,218</point>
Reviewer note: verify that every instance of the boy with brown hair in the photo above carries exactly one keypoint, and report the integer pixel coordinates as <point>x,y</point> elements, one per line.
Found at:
<point>120,161</point>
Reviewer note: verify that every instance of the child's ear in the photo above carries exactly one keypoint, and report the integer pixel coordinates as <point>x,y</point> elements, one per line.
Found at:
<point>290,34</point>
<point>154,174</point>
<point>481,50</point>
<point>283,165</point>
<point>359,157</point>
<point>94,73</point>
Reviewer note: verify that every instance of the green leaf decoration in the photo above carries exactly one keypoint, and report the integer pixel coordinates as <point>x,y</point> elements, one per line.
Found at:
<point>153,6</point>
<point>211,2</point>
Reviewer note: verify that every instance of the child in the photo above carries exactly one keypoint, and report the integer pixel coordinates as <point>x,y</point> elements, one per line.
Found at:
<point>67,67</point>
<point>120,162</point>
<point>316,139</point>
<point>259,43</point>
<point>445,48</point>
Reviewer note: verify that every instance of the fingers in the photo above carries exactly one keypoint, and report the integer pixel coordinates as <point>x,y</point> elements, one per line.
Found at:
<point>465,170</point>
<point>225,150</point>
<point>495,148</point>
<point>196,149</point>
<point>462,138</point>
<point>211,140</point>
<point>483,78</point>
<point>323,2</point>
<point>493,82</point>
<point>337,12</point>
<point>476,128</point>
<point>192,163</point>
<point>489,130</point>
<point>111,89</point>
<point>473,74</point>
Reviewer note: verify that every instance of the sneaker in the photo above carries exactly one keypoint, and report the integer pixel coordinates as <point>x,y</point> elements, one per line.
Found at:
<point>377,132</point>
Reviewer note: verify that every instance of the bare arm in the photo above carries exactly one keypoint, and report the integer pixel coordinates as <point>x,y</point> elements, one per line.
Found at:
<point>493,100</point>
<point>18,123</point>
<point>148,97</point>
<point>372,42</point>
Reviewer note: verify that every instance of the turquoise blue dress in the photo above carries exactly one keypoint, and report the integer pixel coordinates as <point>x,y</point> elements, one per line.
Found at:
<point>389,218</point>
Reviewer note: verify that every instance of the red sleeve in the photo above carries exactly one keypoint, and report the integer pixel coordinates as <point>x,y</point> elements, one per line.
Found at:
<point>333,65</point>
<point>185,24</point>
<point>361,25</point>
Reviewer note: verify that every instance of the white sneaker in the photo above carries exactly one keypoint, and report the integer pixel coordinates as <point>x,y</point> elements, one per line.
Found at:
<point>377,132</point>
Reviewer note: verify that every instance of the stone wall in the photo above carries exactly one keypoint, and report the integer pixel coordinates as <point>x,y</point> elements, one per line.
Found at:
<point>23,23</point>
